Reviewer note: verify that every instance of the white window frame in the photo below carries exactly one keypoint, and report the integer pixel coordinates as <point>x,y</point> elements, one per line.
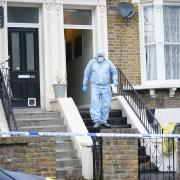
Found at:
<point>161,82</point>
<point>87,27</point>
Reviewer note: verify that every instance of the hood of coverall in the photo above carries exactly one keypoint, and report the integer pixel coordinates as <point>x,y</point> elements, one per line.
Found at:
<point>100,56</point>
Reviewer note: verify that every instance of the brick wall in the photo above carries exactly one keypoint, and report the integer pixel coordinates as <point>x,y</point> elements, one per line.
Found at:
<point>34,155</point>
<point>123,42</point>
<point>120,156</point>
<point>124,51</point>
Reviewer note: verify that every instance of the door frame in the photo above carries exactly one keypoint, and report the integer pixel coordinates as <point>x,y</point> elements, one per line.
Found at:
<point>41,47</point>
<point>24,83</point>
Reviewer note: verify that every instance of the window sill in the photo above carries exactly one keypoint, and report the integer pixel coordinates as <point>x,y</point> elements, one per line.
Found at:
<point>171,86</point>
<point>157,86</point>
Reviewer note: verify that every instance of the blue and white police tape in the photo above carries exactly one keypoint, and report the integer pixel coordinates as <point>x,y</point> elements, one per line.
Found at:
<point>61,134</point>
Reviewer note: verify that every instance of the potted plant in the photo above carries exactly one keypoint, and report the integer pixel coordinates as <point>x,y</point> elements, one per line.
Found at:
<point>60,86</point>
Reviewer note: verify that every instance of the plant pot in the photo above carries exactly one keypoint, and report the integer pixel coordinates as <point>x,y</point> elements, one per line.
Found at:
<point>60,90</point>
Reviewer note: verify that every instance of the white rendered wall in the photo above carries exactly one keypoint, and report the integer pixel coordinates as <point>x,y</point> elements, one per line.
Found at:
<point>3,122</point>
<point>169,115</point>
<point>3,57</point>
<point>3,35</point>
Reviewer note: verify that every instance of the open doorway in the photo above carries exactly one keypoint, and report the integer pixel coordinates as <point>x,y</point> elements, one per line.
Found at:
<point>79,50</point>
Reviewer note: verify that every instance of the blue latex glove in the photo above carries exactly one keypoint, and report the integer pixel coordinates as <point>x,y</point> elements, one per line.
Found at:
<point>115,83</point>
<point>84,88</point>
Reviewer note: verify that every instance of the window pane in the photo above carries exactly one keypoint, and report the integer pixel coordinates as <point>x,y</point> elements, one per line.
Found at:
<point>78,17</point>
<point>149,35</point>
<point>171,16</point>
<point>151,62</point>
<point>172,61</point>
<point>30,51</point>
<point>15,51</point>
<point>23,14</point>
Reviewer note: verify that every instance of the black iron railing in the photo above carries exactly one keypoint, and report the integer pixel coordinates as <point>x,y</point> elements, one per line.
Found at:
<point>97,158</point>
<point>157,159</point>
<point>6,101</point>
<point>142,111</point>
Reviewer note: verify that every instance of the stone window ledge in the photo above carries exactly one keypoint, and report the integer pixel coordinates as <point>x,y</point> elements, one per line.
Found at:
<point>152,89</point>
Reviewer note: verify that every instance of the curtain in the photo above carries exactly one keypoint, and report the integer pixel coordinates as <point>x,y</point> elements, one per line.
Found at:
<point>171,15</point>
<point>149,42</point>
<point>151,63</point>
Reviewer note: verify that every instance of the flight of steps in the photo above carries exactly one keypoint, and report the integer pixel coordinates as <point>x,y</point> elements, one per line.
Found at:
<point>116,120</point>
<point>37,119</point>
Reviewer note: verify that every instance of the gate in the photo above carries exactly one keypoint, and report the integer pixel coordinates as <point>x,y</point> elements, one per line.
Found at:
<point>157,157</point>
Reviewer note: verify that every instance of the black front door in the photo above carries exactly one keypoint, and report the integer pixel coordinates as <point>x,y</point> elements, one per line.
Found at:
<point>24,66</point>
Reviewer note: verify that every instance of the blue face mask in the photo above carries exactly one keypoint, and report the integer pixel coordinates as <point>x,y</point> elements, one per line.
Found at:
<point>100,59</point>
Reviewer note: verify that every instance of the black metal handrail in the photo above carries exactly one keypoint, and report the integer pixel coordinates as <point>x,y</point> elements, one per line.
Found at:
<point>142,111</point>
<point>6,101</point>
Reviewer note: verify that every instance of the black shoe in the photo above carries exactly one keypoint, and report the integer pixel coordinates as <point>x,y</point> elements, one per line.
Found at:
<point>96,125</point>
<point>106,125</point>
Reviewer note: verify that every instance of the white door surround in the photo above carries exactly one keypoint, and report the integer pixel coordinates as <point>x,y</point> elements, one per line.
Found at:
<point>51,36</point>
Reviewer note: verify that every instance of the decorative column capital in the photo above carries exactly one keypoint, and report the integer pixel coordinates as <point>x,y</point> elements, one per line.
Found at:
<point>48,4</point>
<point>58,4</point>
<point>158,2</point>
<point>102,2</point>
<point>2,2</point>
<point>102,6</point>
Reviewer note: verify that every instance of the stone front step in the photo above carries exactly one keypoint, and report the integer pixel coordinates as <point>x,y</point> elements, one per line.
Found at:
<point>64,145</point>
<point>67,162</point>
<point>36,115</point>
<point>66,153</point>
<point>68,171</point>
<point>27,110</point>
<point>49,128</point>
<point>97,130</point>
<point>39,122</point>
<point>63,138</point>
<point>123,130</point>
<point>114,121</point>
<point>113,113</point>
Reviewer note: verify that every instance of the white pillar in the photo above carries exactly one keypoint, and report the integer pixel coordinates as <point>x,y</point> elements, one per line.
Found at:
<point>87,162</point>
<point>3,35</point>
<point>60,65</point>
<point>55,63</point>
<point>48,59</point>
<point>3,57</point>
<point>102,26</point>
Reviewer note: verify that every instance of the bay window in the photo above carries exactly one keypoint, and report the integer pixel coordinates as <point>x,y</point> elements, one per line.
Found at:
<point>161,43</point>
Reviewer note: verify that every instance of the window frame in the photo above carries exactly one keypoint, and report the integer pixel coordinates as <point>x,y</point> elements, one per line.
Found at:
<point>159,42</point>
